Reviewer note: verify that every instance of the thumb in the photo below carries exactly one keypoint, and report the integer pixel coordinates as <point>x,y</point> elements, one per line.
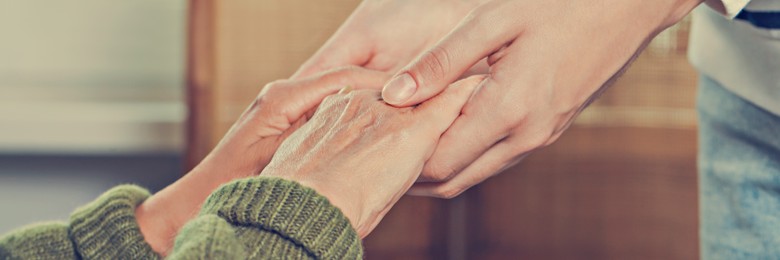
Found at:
<point>443,63</point>
<point>440,111</point>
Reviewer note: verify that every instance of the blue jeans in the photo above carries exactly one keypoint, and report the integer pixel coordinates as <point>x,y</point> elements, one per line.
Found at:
<point>739,176</point>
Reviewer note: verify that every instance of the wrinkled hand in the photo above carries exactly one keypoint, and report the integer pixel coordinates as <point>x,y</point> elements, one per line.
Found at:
<point>548,60</point>
<point>245,150</point>
<point>279,110</point>
<point>363,154</point>
<point>385,35</point>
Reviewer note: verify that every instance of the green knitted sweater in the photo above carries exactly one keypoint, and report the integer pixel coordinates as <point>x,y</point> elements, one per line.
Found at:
<point>265,218</point>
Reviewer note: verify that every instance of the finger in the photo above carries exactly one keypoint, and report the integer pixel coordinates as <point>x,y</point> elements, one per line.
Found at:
<point>474,39</point>
<point>352,76</point>
<point>498,158</point>
<point>479,127</point>
<point>439,112</point>
<point>310,93</point>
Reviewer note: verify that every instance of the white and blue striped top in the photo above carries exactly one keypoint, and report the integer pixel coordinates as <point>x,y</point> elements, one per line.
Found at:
<point>743,53</point>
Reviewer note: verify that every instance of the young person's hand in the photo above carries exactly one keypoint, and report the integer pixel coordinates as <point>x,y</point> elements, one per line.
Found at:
<point>363,154</point>
<point>385,35</point>
<point>548,60</point>
<point>244,151</point>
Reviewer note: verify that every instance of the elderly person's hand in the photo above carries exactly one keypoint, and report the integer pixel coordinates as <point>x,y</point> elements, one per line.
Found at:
<point>248,146</point>
<point>548,60</point>
<point>280,108</point>
<point>363,154</point>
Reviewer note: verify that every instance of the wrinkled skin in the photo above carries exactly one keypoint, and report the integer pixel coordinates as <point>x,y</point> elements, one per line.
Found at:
<point>363,154</point>
<point>279,110</point>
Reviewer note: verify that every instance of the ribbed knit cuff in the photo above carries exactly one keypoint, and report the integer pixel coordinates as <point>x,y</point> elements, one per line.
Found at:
<point>291,210</point>
<point>107,227</point>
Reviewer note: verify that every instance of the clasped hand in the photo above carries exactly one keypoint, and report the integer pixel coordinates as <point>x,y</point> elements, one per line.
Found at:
<point>351,147</point>
<point>542,61</point>
<point>363,154</point>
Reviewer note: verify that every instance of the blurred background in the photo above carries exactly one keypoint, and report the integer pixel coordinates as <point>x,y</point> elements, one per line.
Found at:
<point>91,95</point>
<point>619,184</point>
<point>95,93</point>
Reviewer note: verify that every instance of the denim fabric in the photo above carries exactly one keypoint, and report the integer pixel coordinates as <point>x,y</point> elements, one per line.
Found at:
<point>739,176</point>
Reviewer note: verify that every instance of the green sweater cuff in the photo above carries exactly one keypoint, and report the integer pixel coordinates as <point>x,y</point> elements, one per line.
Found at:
<point>289,209</point>
<point>107,227</point>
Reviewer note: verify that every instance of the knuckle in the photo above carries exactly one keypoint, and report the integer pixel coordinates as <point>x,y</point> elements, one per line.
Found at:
<point>435,64</point>
<point>272,88</point>
<point>369,117</point>
<point>366,98</point>
<point>530,142</point>
<point>269,94</point>
<point>513,118</point>
<point>352,104</point>
<point>330,99</point>
<point>356,99</point>
<point>333,101</point>
<point>394,133</point>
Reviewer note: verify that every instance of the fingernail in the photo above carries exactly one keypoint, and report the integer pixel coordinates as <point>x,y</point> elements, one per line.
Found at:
<point>399,89</point>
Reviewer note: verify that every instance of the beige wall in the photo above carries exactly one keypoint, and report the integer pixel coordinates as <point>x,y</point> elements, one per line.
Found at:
<point>91,76</point>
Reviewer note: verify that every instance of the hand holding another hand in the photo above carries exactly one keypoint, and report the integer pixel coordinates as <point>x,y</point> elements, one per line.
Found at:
<point>548,60</point>
<point>279,110</point>
<point>363,154</point>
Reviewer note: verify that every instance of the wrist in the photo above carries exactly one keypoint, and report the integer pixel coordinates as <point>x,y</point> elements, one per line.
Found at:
<point>155,226</point>
<point>162,215</point>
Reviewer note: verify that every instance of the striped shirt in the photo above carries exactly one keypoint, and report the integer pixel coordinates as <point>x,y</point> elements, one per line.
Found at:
<point>740,48</point>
